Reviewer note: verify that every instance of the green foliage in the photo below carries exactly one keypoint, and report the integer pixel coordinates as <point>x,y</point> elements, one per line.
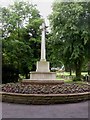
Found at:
<point>77,79</point>
<point>70,33</point>
<point>10,74</point>
<point>20,38</point>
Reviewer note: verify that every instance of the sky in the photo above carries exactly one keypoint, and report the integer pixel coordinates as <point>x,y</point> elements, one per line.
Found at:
<point>44,6</point>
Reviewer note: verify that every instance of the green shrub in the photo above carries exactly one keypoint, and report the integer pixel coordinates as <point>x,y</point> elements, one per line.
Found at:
<point>75,79</point>
<point>9,74</point>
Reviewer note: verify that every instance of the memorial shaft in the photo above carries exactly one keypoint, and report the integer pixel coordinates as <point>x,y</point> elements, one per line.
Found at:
<point>43,50</point>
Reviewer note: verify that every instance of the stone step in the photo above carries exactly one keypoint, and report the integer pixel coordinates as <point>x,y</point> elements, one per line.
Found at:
<point>40,81</point>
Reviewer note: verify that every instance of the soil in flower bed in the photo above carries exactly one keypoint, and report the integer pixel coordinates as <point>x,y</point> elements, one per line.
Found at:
<point>65,88</point>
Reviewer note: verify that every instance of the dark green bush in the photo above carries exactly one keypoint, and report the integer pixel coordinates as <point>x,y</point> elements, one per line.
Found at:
<point>75,79</point>
<point>9,74</point>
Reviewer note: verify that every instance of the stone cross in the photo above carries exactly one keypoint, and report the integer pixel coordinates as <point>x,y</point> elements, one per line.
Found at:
<point>43,50</point>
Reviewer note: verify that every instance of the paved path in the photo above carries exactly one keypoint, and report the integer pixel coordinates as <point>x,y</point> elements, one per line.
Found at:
<point>75,110</point>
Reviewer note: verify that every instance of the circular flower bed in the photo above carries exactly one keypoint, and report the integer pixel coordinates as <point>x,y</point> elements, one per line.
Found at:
<point>65,88</point>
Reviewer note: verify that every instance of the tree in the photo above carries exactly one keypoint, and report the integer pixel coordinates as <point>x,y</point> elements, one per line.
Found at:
<point>20,38</point>
<point>70,27</point>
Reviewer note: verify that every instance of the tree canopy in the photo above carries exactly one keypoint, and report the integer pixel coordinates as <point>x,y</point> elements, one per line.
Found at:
<point>70,27</point>
<point>20,39</point>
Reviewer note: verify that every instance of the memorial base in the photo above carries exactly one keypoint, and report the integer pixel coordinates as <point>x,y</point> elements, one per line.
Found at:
<point>42,75</point>
<point>42,82</point>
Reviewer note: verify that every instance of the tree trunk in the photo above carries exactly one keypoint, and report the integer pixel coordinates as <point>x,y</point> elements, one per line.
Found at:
<point>78,66</point>
<point>70,72</point>
<point>89,68</point>
<point>27,76</point>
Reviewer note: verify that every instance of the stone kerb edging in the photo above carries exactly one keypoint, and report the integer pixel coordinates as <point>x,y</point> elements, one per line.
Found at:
<point>44,98</point>
<point>50,82</point>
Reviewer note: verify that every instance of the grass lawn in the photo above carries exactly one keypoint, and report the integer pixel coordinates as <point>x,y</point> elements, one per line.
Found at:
<point>67,78</point>
<point>68,73</point>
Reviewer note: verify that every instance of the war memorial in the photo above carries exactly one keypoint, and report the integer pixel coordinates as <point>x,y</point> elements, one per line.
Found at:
<point>43,87</point>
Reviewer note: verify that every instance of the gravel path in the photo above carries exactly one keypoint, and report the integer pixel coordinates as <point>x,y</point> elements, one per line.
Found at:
<point>75,110</point>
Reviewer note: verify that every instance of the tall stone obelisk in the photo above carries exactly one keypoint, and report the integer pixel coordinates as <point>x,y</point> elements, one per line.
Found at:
<point>43,65</point>
<point>43,49</point>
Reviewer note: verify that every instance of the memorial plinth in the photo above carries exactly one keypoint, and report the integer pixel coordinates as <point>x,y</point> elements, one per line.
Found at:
<point>42,75</point>
<point>42,72</point>
<point>42,66</point>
